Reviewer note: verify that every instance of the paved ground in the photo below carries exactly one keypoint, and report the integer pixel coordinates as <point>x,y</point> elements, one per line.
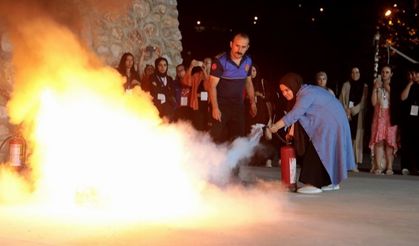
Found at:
<point>368,210</point>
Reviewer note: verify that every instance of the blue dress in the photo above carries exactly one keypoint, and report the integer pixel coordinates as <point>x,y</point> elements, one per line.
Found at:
<point>324,120</point>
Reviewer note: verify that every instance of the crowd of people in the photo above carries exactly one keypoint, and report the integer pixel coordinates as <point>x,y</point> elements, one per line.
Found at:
<point>226,95</point>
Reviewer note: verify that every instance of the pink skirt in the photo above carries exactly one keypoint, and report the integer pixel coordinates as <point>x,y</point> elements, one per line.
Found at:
<point>381,129</point>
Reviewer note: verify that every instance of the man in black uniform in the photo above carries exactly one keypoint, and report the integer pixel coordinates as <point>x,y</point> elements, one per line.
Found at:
<point>230,76</point>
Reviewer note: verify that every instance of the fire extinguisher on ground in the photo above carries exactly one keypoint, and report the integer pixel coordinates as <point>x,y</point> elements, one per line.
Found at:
<point>288,167</point>
<point>288,164</point>
<point>17,151</point>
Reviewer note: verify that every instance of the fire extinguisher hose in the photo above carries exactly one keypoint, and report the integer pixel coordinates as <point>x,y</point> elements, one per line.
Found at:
<point>5,141</point>
<point>282,139</point>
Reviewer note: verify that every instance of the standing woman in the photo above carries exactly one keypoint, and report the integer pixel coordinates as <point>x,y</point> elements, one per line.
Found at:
<point>262,104</point>
<point>127,70</point>
<point>162,90</point>
<point>321,134</point>
<point>410,129</point>
<point>383,143</point>
<point>353,96</point>
<point>265,151</point>
<point>146,77</point>
<point>321,80</point>
<point>195,78</point>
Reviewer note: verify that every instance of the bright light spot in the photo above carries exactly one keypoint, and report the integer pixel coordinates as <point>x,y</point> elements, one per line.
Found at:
<point>321,9</point>
<point>198,22</point>
<point>313,19</point>
<point>395,5</point>
<point>388,13</point>
<point>254,22</point>
<point>255,18</point>
<point>300,5</point>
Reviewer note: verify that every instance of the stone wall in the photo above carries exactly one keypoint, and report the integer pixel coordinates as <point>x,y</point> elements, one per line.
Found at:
<point>109,34</point>
<point>144,23</point>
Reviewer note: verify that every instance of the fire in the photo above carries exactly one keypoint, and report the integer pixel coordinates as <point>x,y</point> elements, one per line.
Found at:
<point>94,144</point>
<point>12,187</point>
<point>94,150</point>
<point>91,143</point>
<point>97,152</point>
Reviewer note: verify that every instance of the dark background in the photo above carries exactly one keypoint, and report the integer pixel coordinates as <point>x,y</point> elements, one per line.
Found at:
<point>286,37</point>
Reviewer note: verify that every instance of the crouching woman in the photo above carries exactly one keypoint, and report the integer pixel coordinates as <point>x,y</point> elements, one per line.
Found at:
<point>321,134</point>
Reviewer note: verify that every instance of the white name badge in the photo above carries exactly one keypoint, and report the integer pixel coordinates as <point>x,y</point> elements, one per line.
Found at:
<point>183,101</point>
<point>161,98</point>
<point>351,104</point>
<point>204,96</point>
<point>414,110</point>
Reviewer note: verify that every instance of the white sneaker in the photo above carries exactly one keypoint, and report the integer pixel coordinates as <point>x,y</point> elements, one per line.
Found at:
<point>330,187</point>
<point>405,171</point>
<point>309,189</point>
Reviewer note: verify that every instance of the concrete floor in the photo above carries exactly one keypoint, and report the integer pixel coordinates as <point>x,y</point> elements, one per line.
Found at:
<point>367,210</point>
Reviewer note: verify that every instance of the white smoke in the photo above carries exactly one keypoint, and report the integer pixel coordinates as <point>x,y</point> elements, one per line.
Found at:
<point>215,163</point>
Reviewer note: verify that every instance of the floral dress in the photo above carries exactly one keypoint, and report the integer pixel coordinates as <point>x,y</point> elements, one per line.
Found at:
<point>381,128</point>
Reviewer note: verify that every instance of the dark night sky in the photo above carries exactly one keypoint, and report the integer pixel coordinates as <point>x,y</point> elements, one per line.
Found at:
<point>285,38</point>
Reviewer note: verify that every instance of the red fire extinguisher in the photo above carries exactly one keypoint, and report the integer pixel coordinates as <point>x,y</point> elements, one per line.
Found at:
<point>288,167</point>
<point>17,151</point>
<point>288,164</point>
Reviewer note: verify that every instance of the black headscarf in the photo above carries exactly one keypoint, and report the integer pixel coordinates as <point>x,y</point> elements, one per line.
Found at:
<point>355,95</point>
<point>257,80</point>
<point>356,91</point>
<point>293,81</point>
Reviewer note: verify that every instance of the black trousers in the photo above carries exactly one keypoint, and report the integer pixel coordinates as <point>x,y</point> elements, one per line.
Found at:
<point>409,150</point>
<point>200,120</point>
<point>313,171</point>
<point>231,125</point>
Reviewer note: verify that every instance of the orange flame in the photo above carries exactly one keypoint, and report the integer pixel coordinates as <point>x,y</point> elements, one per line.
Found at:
<point>97,152</point>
